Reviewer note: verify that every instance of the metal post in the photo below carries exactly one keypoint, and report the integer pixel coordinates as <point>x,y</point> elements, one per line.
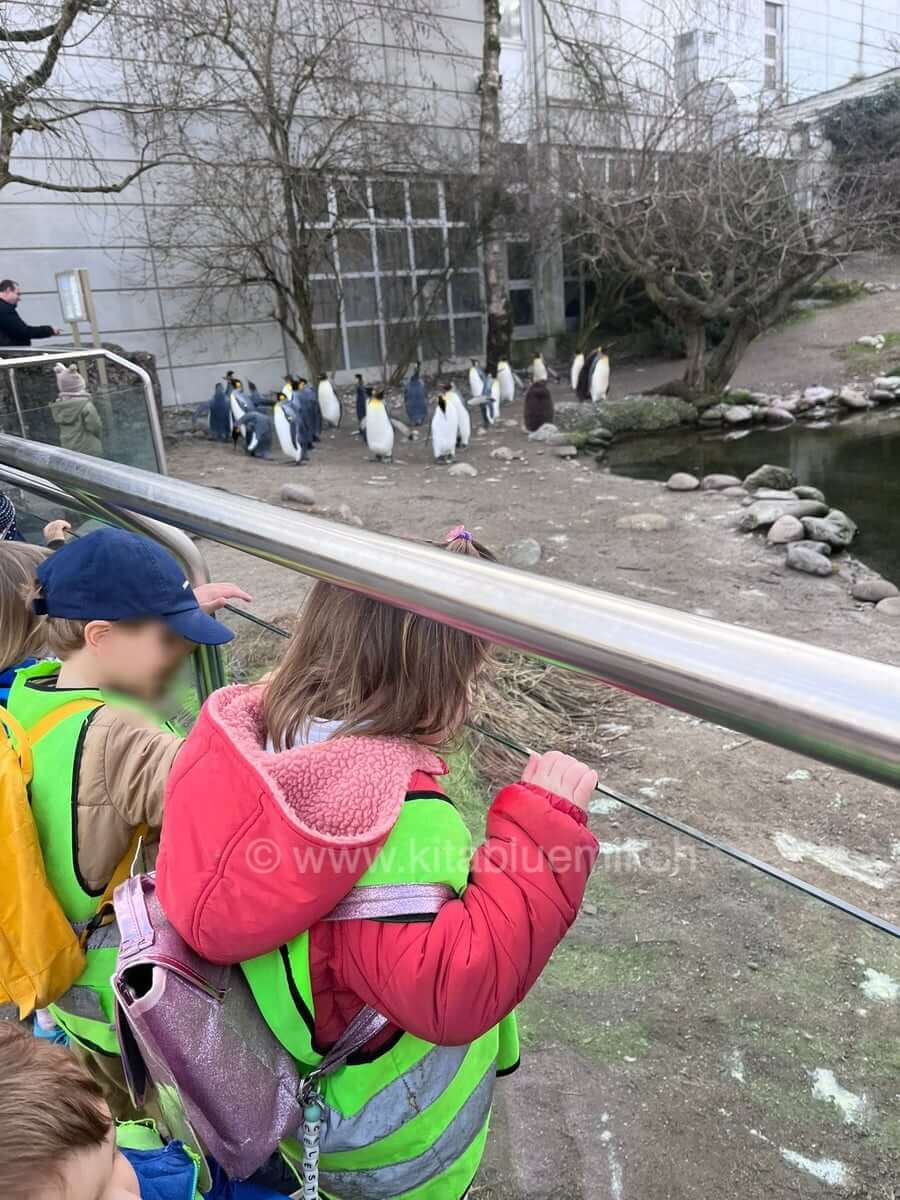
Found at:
<point>14,388</point>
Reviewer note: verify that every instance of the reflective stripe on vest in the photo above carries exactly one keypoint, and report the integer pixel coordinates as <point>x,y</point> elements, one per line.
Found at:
<point>412,1119</point>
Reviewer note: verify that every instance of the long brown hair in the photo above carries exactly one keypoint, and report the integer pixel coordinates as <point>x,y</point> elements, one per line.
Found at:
<point>22,634</point>
<point>374,669</point>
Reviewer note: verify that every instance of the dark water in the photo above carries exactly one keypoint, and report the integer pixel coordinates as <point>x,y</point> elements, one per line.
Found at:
<point>856,464</point>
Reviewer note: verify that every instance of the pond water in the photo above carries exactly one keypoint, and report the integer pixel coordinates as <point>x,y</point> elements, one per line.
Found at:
<point>856,463</point>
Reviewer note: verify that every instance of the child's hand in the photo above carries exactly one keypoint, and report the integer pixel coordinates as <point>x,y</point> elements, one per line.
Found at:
<point>213,596</point>
<point>561,775</point>
<point>56,531</point>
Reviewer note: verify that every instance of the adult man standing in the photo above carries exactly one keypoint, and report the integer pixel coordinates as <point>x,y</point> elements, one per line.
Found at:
<point>13,330</point>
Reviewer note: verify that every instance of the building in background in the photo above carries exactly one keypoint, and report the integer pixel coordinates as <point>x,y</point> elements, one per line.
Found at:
<point>412,249</point>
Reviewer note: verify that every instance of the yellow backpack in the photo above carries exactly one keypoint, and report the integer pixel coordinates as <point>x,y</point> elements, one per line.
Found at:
<point>41,956</point>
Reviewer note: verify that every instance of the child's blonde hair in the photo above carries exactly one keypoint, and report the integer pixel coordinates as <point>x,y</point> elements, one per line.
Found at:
<point>372,668</point>
<point>22,633</point>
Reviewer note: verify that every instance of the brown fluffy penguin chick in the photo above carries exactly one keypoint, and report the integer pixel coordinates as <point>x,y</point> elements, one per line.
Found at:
<point>538,406</point>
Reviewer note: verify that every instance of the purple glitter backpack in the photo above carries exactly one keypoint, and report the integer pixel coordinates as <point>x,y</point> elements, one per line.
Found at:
<point>224,1083</point>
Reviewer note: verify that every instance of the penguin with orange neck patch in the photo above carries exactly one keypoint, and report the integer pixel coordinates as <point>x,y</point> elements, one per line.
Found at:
<point>379,430</point>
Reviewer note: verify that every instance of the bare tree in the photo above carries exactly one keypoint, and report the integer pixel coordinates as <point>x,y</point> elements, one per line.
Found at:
<point>30,54</point>
<point>706,201</point>
<point>279,116</point>
<point>496,283</point>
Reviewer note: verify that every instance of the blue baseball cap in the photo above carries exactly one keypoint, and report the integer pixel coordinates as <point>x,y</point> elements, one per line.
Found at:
<point>111,575</point>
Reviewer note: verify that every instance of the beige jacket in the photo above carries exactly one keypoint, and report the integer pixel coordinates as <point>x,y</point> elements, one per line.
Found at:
<point>125,762</point>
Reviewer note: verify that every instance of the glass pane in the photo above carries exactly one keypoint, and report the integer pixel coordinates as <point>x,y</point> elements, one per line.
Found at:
<point>331,348</point>
<point>388,199</point>
<point>466,293</point>
<point>519,260</point>
<point>771,16</point>
<point>620,173</point>
<point>423,198</point>
<point>460,197</point>
<point>355,249</point>
<point>432,295</point>
<point>324,299</point>
<point>436,339</point>
<point>393,250</point>
<point>321,255</point>
<point>771,80</point>
<point>359,300</point>
<point>463,247</point>
<point>314,194</point>
<point>402,341</point>
<point>397,297</point>
<point>522,302</point>
<point>469,337</point>
<point>573,301</point>
<point>429,247</point>
<point>352,204</point>
<point>771,45</point>
<point>510,18</point>
<point>365,347</point>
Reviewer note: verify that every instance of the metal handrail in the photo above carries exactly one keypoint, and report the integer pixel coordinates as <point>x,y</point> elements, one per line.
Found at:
<point>29,360</point>
<point>818,702</point>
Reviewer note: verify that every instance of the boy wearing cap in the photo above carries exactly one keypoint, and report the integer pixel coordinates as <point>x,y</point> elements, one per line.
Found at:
<point>122,617</point>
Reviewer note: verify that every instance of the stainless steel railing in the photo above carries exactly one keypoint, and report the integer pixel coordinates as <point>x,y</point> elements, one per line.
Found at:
<point>831,706</point>
<point>26,358</point>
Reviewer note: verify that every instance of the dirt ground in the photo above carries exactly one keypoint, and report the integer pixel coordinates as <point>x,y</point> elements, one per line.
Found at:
<point>704,1031</point>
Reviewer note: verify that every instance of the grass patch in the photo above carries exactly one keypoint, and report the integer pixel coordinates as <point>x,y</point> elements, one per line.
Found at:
<point>869,353</point>
<point>838,291</point>
<point>544,1020</point>
<point>797,316</point>
<point>593,968</point>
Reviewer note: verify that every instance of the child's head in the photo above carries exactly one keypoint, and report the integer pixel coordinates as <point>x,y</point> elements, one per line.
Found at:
<point>373,668</point>
<point>57,1138</point>
<point>22,632</point>
<point>121,605</point>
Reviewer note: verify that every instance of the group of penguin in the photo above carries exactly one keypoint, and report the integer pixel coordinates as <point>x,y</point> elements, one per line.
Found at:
<point>300,412</point>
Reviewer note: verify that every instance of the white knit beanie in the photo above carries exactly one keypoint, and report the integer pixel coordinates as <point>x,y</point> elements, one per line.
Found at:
<point>69,381</point>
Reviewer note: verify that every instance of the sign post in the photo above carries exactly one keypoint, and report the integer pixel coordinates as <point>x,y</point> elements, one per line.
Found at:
<point>77,303</point>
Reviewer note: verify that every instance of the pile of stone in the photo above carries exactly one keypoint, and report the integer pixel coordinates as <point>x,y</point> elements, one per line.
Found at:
<point>568,444</point>
<point>816,405</point>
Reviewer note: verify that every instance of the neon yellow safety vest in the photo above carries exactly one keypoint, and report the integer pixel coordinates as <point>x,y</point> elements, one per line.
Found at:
<point>86,1010</point>
<point>410,1121</point>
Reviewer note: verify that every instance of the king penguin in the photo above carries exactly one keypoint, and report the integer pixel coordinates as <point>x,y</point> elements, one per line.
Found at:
<point>444,429</point>
<point>329,403</point>
<point>379,430</point>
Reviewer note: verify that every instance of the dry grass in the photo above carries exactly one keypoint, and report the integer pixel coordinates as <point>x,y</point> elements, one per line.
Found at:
<point>545,707</point>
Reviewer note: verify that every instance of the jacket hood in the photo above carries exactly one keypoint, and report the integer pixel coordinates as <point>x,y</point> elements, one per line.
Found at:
<point>67,410</point>
<point>263,845</point>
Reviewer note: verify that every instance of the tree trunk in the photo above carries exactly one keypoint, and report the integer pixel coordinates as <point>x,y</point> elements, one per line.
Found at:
<point>724,359</point>
<point>496,282</point>
<point>695,368</point>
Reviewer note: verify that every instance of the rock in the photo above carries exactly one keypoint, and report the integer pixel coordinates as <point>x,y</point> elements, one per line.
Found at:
<point>544,434</point>
<point>734,491</point>
<point>889,607</point>
<point>882,396</point>
<point>294,493</point>
<point>836,529</point>
<point>802,492</point>
<point>790,404</point>
<point>786,529</point>
<point>567,439</point>
<point>348,516</point>
<point>504,454</point>
<point>644,414</point>
<point>779,415</point>
<point>565,451</point>
<point>801,559</point>
<point>738,414</point>
<point>738,396</point>
<point>853,398</point>
<point>770,477</point>
<point>598,436</point>
<point>682,482</point>
<point>526,553</point>
<point>717,483</point>
<point>874,590</point>
<point>766,512</point>
<point>888,383</point>
<point>815,547</point>
<point>465,470</point>
<point>714,415</point>
<point>818,395</point>
<point>599,456</point>
<point>873,341</point>
<point>774,494</point>
<point>645,522</point>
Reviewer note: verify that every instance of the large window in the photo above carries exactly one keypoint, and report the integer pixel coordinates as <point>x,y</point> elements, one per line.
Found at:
<point>520,266</point>
<point>773,47</point>
<point>511,19</point>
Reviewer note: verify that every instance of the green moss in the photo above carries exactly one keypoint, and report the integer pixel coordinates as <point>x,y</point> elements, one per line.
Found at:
<point>592,967</point>
<point>544,1021</point>
<point>838,291</point>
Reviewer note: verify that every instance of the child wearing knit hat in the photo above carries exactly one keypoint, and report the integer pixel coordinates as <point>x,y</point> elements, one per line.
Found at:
<point>80,427</point>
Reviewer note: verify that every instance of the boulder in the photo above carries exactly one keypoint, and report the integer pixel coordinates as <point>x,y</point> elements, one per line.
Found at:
<point>836,528</point>
<point>682,482</point>
<point>738,396</point>
<point>854,398</point>
<point>818,395</point>
<point>815,547</point>
<point>779,415</point>
<point>714,415</point>
<point>735,490</point>
<point>786,529</point>
<point>882,396</point>
<point>873,341</point>
<point>889,607</point>
<point>568,451</point>
<point>738,414</point>
<point>644,522</point>
<point>888,383</point>
<point>644,414</point>
<point>569,438</point>
<point>802,492</point>
<point>774,494</point>
<point>526,553</point>
<point>544,434</point>
<point>463,469</point>
<point>599,456</point>
<point>763,513</point>
<point>801,559</point>
<point>769,476</point>
<point>871,591</point>
<point>294,493</point>
<point>504,454</point>
<point>348,516</point>
<point>598,436</point>
<point>717,483</point>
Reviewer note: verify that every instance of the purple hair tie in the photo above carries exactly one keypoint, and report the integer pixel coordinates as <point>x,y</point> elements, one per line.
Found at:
<point>460,533</point>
